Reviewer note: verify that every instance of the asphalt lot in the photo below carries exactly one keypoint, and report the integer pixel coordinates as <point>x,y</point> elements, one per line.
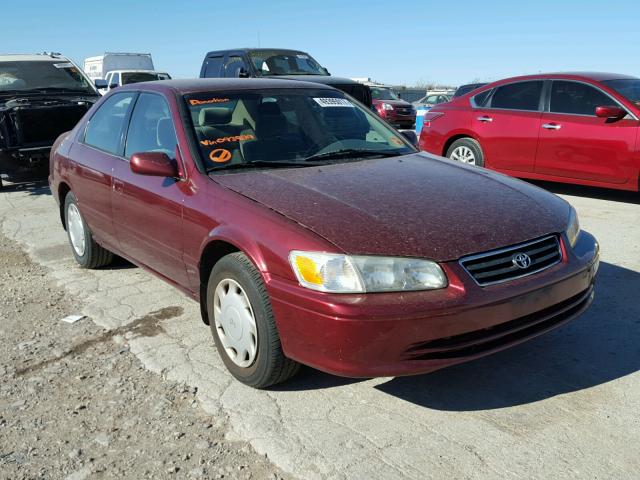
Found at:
<point>565,405</point>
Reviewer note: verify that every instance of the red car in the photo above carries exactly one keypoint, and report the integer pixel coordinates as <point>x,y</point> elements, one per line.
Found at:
<point>311,232</point>
<point>574,128</point>
<point>392,108</point>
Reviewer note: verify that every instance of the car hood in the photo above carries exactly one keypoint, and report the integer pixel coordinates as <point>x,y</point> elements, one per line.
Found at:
<point>395,103</point>
<point>415,205</point>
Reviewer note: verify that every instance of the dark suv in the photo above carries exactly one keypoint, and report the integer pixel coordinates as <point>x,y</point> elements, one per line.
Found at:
<point>41,96</point>
<point>272,62</point>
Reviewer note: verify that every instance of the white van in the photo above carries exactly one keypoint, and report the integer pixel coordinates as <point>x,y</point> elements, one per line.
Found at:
<point>117,78</point>
<point>98,67</point>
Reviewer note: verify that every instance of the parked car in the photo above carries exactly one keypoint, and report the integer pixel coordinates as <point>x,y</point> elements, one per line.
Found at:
<point>99,66</point>
<point>117,78</point>
<point>392,108</point>
<point>464,89</point>
<point>312,232</point>
<point>41,96</point>
<point>272,62</point>
<point>430,100</point>
<point>574,128</point>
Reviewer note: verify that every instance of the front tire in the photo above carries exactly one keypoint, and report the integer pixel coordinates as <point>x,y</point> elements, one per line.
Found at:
<point>243,325</point>
<point>466,150</point>
<point>86,251</point>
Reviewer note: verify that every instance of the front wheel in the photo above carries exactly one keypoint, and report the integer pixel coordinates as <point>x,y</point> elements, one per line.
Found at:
<point>466,150</point>
<point>243,325</point>
<point>86,251</point>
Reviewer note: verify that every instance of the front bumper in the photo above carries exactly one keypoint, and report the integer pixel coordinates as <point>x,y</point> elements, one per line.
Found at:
<point>390,334</point>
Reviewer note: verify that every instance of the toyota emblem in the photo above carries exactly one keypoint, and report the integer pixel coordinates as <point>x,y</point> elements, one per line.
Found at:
<point>521,260</point>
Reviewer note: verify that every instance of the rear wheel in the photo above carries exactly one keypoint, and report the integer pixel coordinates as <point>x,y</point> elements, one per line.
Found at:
<point>466,150</point>
<point>243,326</point>
<point>86,251</point>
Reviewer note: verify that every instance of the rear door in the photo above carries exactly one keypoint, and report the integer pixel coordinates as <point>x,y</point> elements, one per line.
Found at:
<point>99,150</point>
<point>147,210</point>
<point>507,125</point>
<point>574,143</point>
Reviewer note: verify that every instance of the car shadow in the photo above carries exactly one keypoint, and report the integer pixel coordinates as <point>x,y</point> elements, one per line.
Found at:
<point>30,186</point>
<point>590,192</point>
<point>598,347</point>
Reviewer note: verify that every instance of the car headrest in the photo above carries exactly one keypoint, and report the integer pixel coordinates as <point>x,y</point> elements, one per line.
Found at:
<point>214,116</point>
<point>166,136</point>
<point>271,121</point>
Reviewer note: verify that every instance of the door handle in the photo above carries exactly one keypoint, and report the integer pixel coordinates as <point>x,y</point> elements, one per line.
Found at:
<point>551,126</point>
<point>118,186</point>
<point>485,118</point>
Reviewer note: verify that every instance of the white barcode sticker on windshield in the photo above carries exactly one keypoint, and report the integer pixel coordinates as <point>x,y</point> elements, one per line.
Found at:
<point>333,102</point>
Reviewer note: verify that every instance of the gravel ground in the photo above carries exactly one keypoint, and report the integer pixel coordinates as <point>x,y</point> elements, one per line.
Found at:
<point>76,404</point>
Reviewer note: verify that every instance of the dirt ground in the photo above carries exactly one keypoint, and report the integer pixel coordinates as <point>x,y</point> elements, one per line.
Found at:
<point>76,404</point>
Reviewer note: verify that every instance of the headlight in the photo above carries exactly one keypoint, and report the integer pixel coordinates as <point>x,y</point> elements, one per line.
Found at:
<point>573,228</point>
<point>335,273</point>
<point>387,106</point>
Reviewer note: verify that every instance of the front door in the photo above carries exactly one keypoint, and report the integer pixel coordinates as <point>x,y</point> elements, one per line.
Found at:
<point>147,210</point>
<point>574,143</point>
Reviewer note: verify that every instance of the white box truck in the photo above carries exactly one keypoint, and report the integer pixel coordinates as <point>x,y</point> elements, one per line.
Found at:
<point>98,67</point>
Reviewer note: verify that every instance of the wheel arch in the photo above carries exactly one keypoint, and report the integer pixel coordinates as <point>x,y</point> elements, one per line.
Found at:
<point>455,137</point>
<point>221,242</point>
<point>63,190</point>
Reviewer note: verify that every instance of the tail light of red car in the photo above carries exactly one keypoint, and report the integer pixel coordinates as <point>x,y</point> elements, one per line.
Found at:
<point>430,117</point>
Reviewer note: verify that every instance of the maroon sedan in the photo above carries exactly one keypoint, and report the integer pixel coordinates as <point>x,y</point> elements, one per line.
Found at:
<point>573,128</point>
<point>311,232</point>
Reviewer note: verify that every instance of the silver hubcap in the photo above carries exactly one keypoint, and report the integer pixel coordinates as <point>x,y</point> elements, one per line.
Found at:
<point>463,154</point>
<point>76,229</point>
<point>235,323</point>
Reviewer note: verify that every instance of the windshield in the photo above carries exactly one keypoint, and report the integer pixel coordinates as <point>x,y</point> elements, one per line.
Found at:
<point>627,87</point>
<point>293,126</point>
<point>37,75</point>
<point>278,62</point>
<point>383,94</point>
<point>137,77</point>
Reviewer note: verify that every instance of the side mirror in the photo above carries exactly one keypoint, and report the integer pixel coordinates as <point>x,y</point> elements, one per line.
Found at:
<point>243,73</point>
<point>155,164</point>
<point>100,83</point>
<point>411,136</point>
<point>615,113</point>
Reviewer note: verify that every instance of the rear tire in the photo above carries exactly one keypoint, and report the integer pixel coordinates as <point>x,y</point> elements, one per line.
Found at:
<point>86,251</point>
<point>466,150</point>
<point>243,325</point>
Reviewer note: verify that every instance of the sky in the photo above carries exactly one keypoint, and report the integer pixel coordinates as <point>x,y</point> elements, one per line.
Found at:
<point>408,42</point>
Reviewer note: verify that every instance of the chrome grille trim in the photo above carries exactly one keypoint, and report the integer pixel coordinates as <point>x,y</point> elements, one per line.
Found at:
<point>498,268</point>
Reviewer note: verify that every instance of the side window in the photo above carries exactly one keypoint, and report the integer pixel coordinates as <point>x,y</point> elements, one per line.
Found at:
<point>518,96</point>
<point>481,99</point>
<point>233,66</point>
<point>576,98</point>
<point>108,78</point>
<point>213,66</point>
<point>151,128</point>
<point>115,79</point>
<point>104,130</point>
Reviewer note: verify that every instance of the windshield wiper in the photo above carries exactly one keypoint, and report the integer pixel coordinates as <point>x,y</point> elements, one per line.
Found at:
<point>351,153</point>
<point>58,89</point>
<point>262,163</point>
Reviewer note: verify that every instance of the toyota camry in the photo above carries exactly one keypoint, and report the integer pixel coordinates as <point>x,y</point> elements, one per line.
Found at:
<point>310,232</point>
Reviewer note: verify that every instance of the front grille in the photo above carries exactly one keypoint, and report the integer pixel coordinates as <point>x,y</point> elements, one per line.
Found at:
<point>502,265</point>
<point>404,110</point>
<point>496,337</point>
<point>41,125</point>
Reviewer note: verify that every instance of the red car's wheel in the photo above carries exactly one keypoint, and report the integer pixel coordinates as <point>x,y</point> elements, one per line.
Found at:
<point>466,150</point>
<point>243,325</point>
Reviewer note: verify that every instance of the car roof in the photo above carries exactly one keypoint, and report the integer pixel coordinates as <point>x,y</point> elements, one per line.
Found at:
<point>196,85</point>
<point>38,57</point>
<point>213,52</point>
<point>594,76</point>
